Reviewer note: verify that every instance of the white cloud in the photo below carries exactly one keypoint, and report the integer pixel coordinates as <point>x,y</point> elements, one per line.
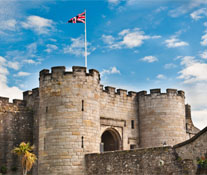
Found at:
<point>112,70</point>
<point>13,65</point>
<point>115,2</point>
<point>175,42</point>
<point>77,47</point>
<point>149,59</point>
<point>200,118</point>
<point>38,24</point>
<point>194,82</point>
<point>198,14</point>
<point>204,54</point>
<point>134,39</point>
<point>127,38</point>
<point>29,61</point>
<point>186,7</point>
<point>50,48</point>
<point>22,74</point>
<point>160,76</point>
<point>28,56</point>
<point>110,41</point>
<point>5,90</point>
<point>170,66</point>
<point>204,40</point>
<point>8,25</point>
<point>193,71</point>
<point>2,60</point>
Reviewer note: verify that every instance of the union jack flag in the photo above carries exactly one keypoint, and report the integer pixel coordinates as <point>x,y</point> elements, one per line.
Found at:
<point>80,18</point>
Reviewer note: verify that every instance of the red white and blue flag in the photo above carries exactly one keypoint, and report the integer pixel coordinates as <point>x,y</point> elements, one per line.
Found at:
<point>80,18</point>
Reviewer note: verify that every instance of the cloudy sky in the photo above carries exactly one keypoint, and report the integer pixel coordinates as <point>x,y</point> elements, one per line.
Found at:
<point>135,44</point>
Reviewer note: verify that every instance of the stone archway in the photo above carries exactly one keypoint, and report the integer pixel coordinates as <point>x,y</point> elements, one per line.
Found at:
<point>111,140</point>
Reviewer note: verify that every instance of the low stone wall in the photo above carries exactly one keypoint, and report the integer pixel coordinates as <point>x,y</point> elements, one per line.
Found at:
<point>177,160</point>
<point>149,161</point>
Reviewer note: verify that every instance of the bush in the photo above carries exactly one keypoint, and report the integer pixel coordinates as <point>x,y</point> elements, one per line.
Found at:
<point>3,170</point>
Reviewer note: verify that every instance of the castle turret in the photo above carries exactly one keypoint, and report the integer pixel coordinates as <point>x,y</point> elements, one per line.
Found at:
<point>69,121</point>
<point>161,117</point>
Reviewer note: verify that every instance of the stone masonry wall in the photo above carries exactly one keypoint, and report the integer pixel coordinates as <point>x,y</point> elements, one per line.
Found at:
<point>194,148</point>
<point>32,103</point>
<point>162,118</point>
<point>180,159</point>
<point>151,161</point>
<point>117,110</point>
<point>16,126</point>
<point>69,120</point>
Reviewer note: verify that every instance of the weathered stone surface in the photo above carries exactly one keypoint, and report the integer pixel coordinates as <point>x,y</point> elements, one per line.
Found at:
<point>16,126</point>
<point>68,114</point>
<point>150,161</point>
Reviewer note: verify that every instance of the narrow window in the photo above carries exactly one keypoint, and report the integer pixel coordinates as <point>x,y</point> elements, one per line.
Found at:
<point>46,109</point>
<point>132,146</point>
<point>82,146</point>
<point>82,105</point>
<point>44,144</point>
<point>132,124</point>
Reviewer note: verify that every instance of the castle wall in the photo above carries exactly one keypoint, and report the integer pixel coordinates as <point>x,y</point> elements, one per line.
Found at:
<point>16,126</point>
<point>32,103</point>
<point>191,130</point>
<point>177,160</point>
<point>193,148</point>
<point>117,110</point>
<point>162,118</point>
<point>69,122</point>
<point>149,161</point>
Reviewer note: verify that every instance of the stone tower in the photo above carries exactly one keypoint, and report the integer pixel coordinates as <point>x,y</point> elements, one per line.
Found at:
<point>69,122</point>
<point>162,117</point>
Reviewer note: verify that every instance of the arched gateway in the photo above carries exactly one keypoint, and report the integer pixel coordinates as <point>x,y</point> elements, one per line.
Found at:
<point>111,140</point>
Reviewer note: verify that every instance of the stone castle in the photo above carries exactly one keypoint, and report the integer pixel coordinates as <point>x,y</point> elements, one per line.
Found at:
<point>71,115</point>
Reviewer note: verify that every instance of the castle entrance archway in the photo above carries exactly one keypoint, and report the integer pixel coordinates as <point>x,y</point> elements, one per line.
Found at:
<point>111,140</point>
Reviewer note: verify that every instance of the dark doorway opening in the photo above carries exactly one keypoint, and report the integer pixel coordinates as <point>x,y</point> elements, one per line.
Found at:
<point>111,140</point>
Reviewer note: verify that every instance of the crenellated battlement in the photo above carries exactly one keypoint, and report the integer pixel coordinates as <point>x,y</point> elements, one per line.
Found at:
<point>169,92</point>
<point>60,71</point>
<point>121,92</point>
<point>31,94</point>
<point>16,102</point>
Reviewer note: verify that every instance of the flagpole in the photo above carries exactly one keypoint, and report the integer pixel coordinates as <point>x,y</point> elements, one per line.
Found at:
<point>85,43</point>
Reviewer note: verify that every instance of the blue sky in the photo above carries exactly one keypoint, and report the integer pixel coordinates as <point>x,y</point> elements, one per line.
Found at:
<point>135,44</point>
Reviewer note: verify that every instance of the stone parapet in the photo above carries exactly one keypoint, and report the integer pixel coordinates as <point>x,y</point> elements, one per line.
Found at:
<point>158,92</point>
<point>59,72</point>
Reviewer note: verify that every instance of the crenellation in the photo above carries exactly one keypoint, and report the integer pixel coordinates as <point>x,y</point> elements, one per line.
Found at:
<point>58,70</point>
<point>155,91</point>
<point>4,99</point>
<point>44,72</point>
<point>122,92</point>
<point>19,102</point>
<point>35,92</point>
<point>142,93</point>
<point>181,93</point>
<point>69,114</point>
<point>171,91</point>
<point>110,89</point>
<point>78,70</point>
<point>132,94</point>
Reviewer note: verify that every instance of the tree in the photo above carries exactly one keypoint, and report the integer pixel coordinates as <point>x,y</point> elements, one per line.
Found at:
<point>24,151</point>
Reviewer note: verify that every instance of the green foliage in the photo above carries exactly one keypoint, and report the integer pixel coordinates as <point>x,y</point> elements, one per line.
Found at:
<point>3,169</point>
<point>202,162</point>
<point>24,151</point>
<point>14,169</point>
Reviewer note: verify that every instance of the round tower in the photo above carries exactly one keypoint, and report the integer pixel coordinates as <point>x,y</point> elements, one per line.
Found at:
<point>69,121</point>
<point>161,117</point>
